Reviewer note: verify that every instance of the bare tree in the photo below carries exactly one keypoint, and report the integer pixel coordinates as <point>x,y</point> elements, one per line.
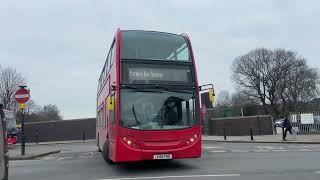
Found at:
<point>301,85</point>
<point>10,80</point>
<point>32,107</point>
<point>224,99</point>
<point>252,75</point>
<point>48,112</point>
<point>274,78</point>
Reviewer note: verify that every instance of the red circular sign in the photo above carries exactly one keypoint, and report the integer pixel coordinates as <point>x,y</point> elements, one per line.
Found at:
<point>22,96</point>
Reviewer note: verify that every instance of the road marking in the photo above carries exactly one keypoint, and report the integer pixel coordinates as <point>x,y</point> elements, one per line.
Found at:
<point>88,153</point>
<point>280,150</point>
<point>239,151</point>
<point>260,150</point>
<point>212,147</point>
<point>304,150</point>
<point>64,158</point>
<point>169,177</point>
<point>317,172</point>
<point>218,151</point>
<point>269,147</point>
<point>48,158</point>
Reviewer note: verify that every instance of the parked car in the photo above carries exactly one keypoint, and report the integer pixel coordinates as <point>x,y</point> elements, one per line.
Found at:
<point>279,123</point>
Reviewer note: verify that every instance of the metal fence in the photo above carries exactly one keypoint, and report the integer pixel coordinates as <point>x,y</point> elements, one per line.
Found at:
<point>306,122</point>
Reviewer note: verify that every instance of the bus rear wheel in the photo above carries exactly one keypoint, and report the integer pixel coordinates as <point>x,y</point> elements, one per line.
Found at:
<point>105,152</point>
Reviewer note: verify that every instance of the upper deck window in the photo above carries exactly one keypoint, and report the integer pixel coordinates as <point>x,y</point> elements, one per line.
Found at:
<point>148,45</point>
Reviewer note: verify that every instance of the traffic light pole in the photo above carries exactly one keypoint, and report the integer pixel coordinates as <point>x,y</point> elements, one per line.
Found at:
<point>23,142</point>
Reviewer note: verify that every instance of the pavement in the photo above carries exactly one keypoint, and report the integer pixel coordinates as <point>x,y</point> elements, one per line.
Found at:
<point>220,161</point>
<point>32,151</point>
<point>294,139</point>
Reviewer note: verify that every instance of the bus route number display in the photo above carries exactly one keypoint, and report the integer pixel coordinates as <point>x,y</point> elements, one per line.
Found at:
<point>158,74</point>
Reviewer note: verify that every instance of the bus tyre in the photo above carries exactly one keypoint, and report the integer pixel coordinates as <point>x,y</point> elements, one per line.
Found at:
<point>105,152</point>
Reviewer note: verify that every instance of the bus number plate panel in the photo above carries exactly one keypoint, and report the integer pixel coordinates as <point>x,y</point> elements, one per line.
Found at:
<point>162,156</point>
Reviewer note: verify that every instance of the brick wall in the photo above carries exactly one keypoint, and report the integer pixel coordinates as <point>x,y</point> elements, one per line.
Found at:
<point>239,126</point>
<point>61,130</point>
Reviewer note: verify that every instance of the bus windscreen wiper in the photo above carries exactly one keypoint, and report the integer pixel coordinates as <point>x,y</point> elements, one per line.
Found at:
<point>135,115</point>
<point>169,89</point>
<point>140,89</point>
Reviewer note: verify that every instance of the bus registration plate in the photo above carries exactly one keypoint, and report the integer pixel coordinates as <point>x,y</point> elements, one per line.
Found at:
<point>162,156</point>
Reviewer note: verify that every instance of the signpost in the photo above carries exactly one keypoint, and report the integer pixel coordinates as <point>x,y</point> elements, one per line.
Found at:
<point>307,118</point>
<point>22,96</point>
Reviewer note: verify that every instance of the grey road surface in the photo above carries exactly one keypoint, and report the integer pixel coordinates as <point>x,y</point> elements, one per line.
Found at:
<point>220,161</point>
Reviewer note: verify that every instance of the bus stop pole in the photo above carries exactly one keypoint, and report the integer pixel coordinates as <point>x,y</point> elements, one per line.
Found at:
<point>23,143</point>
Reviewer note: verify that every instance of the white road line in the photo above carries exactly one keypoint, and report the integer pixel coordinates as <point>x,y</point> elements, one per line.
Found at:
<point>169,177</point>
<point>64,158</point>
<point>239,151</point>
<point>316,149</point>
<point>304,150</point>
<point>88,153</point>
<point>212,147</point>
<point>218,151</point>
<point>48,158</point>
<point>317,172</point>
<point>280,150</point>
<point>260,150</point>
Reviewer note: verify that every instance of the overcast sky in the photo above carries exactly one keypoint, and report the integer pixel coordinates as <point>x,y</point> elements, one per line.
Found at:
<point>60,46</point>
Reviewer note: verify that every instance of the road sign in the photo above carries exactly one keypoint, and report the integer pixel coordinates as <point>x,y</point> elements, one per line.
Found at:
<point>22,96</point>
<point>22,106</point>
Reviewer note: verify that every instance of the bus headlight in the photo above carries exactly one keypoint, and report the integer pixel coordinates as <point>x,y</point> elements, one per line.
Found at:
<point>130,141</point>
<point>192,139</point>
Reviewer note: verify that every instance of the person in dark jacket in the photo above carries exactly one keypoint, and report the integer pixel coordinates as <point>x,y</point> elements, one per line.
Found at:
<point>287,125</point>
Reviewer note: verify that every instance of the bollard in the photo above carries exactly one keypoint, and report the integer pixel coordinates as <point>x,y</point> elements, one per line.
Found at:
<point>84,136</point>
<point>283,137</point>
<point>294,133</point>
<point>37,138</point>
<point>224,134</point>
<point>251,134</point>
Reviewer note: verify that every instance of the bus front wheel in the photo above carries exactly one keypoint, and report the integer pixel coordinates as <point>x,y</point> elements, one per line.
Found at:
<point>105,152</point>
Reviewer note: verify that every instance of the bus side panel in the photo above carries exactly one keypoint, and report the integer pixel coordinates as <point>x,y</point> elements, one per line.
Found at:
<point>113,118</point>
<point>115,80</point>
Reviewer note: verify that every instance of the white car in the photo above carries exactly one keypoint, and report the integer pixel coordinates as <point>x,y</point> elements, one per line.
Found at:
<point>279,122</point>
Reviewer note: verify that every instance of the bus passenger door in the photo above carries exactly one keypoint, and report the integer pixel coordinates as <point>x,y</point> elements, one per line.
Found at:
<point>111,126</point>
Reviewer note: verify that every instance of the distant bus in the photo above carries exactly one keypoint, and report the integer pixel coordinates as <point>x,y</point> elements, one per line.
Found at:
<point>148,98</point>
<point>11,127</point>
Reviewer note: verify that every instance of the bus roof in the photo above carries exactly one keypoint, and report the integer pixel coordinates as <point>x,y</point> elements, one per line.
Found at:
<point>150,31</point>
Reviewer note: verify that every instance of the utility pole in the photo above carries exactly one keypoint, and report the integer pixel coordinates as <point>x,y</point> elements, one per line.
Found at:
<point>23,140</point>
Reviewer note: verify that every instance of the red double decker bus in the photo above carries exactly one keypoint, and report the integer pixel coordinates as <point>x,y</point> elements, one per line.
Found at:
<point>148,98</point>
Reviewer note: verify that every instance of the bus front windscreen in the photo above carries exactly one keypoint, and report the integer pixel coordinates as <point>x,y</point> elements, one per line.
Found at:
<point>157,110</point>
<point>149,45</point>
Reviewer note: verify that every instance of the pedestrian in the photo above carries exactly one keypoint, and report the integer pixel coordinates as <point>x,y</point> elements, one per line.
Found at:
<point>287,125</point>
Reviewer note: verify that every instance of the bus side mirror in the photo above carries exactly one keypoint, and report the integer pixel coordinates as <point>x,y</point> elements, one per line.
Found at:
<point>211,91</point>
<point>211,95</point>
<point>110,103</point>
